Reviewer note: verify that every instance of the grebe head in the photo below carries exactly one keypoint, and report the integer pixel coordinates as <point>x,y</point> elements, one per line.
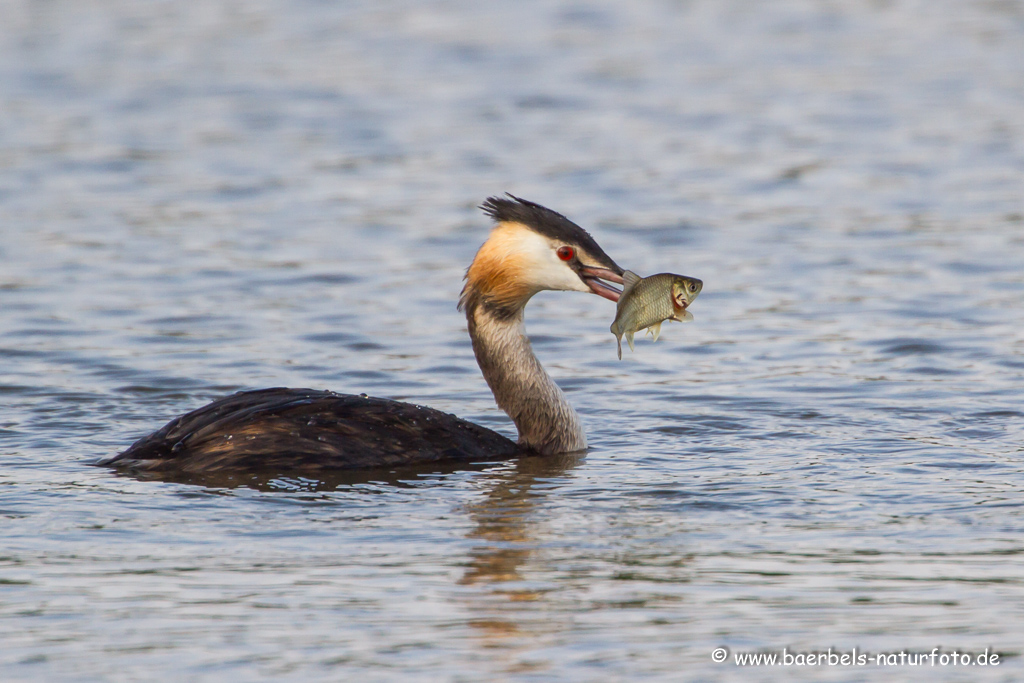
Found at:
<point>532,249</point>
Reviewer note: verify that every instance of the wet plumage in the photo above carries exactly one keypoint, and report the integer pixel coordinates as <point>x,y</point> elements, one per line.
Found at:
<point>305,430</point>
<point>647,302</point>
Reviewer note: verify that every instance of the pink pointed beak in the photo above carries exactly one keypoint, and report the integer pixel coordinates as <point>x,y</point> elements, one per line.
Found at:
<point>594,278</point>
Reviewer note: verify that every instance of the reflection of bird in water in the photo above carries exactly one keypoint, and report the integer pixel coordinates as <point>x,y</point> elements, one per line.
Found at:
<point>530,249</point>
<point>509,537</point>
<point>505,523</point>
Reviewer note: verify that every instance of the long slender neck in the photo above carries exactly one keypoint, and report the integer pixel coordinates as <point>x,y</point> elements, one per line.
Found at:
<point>546,422</point>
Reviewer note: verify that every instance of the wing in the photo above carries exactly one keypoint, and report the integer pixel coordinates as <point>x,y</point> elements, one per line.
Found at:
<point>305,429</point>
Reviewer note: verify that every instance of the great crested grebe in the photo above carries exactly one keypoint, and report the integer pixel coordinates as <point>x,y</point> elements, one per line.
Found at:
<point>530,249</point>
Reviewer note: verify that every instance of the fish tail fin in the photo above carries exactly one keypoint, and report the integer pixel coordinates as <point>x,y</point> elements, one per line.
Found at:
<point>618,335</point>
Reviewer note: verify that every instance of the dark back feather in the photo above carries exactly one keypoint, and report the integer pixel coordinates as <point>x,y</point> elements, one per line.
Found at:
<point>308,430</point>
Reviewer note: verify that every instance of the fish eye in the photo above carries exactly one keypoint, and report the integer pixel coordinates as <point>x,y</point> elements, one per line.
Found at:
<point>566,253</point>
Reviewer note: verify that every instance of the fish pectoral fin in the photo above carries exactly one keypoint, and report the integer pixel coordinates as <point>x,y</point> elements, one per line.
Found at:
<point>683,317</point>
<point>655,330</point>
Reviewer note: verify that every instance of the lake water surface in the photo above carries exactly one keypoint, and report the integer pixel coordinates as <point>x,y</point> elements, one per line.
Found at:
<point>203,197</point>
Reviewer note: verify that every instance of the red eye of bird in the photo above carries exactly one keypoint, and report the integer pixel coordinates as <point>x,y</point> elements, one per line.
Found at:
<point>565,253</point>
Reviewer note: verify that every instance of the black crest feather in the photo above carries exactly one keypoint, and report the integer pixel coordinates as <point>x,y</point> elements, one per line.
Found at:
<point>546,222</point>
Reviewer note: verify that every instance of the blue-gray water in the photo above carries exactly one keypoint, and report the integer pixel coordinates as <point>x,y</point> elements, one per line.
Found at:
<point>200,197</point>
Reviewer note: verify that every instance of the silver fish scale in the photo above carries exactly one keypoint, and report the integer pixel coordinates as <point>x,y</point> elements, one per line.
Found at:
<point>648,303</point>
